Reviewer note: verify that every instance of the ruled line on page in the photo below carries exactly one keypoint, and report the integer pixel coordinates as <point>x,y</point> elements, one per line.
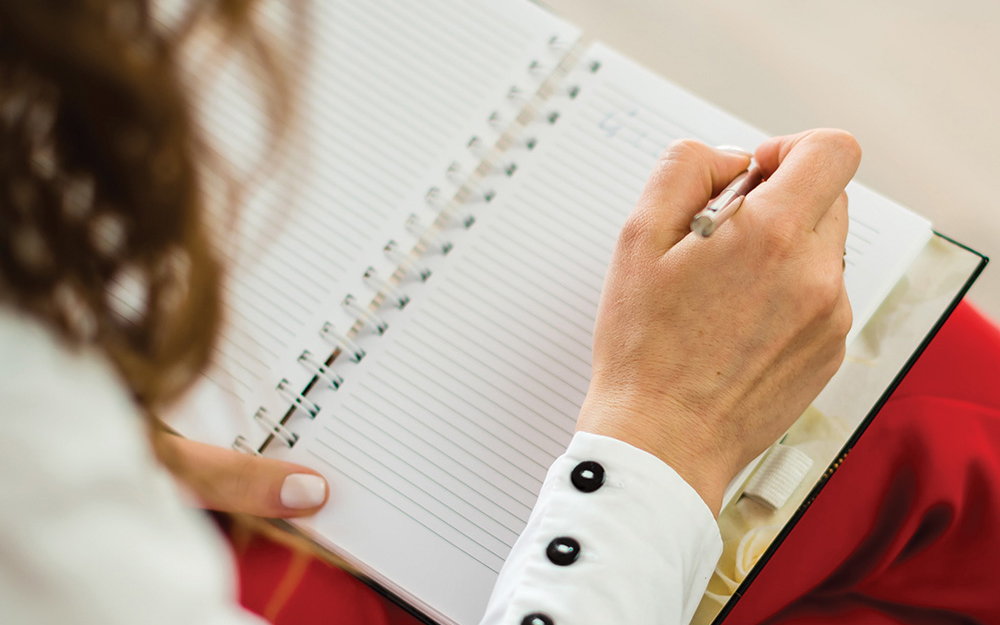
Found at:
<point>479,429</point>
<point>540,275</point>
<point>486,391</point>
<point>439,467</point>
<point>531,344</point>
<point>352,438</point>
<point>415,471</point>
<point>569,276</point>
<point>566,322</point>
<point>522,316</point>
<point>447,447</point>
<point>522,388</point>
<point>488,559</point>
<point>513,359</point>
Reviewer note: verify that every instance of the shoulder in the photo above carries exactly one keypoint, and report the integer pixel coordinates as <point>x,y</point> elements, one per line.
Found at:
<point>38,369</point>
<point>59,400</point>
<point>93,525</point>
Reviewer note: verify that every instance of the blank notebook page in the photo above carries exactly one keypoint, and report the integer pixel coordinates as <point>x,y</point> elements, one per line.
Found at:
<point>437,445</point>
<point>389,90</point>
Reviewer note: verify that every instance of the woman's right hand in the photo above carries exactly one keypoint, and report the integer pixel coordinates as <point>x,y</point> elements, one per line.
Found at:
<point>707,350</point>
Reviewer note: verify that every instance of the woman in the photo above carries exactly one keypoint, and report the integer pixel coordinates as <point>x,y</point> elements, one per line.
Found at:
<point>99,168</point>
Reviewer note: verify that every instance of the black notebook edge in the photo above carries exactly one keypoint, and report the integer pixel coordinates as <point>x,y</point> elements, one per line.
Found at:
<point>858,433</point>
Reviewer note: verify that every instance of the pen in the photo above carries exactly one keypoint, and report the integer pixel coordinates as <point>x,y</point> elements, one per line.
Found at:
<point>727,202</point>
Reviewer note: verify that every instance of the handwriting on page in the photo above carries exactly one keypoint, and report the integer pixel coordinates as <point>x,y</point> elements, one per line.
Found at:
<point>620,118</point>
<point>617,125</point>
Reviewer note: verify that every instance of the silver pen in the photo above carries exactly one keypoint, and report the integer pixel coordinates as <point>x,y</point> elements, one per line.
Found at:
<point>727,202</point>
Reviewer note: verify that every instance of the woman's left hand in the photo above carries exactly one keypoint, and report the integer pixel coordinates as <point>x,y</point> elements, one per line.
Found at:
<point>230,481</point>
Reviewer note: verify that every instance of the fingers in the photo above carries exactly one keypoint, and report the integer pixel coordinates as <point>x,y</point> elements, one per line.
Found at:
<point>233,482</point>
<point>687,176</point>
<point>804,175</point>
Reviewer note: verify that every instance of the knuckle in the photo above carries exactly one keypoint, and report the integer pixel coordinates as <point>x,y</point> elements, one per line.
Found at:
<point>635,230</point>
<point>830,287</point>
<point>685,155</point>
<point>841,143</point>
<point>836,358</point>
<point>823,290</point>
<point>843,320</point>
<point>682,150</point>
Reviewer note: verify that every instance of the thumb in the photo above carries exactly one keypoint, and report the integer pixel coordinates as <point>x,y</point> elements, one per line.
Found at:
<point>688,175</point>
<point>230,481</point>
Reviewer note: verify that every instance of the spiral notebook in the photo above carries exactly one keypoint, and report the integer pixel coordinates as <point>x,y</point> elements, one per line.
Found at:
<point>411,310</point>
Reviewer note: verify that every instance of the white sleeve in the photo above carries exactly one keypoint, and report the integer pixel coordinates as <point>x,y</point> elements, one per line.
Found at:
<point>615,537</point>
<point>92,528</point>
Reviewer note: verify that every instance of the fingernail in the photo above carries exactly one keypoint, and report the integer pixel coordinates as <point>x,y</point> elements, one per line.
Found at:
<point>303,490</point>
<point>734,149</point>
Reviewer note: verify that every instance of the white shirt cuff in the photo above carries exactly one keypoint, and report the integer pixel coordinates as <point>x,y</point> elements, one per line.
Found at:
<point>616,536</point>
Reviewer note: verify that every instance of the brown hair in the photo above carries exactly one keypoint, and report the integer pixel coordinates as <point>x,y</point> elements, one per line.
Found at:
<point>102,229</point>
<point>102,232</point>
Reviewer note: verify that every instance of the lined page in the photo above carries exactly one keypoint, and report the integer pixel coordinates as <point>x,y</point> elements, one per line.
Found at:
<point>389,92</point>
<point>388,85</point>
<point>438,443</point>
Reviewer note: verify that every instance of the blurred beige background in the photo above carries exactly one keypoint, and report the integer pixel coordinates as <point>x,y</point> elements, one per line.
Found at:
<point>917,82</point>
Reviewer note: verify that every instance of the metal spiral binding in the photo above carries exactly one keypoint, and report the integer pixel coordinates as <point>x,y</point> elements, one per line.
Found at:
<point>381,285</point>
<point>275,428</point>
<point>297,399</point>
<point>433,198</point>
<point>366,317</point>
<point>243,446</point>
<point>454,173</point>
<point>466,220</point>
<point>408,264</point>
<point>516,95</point>
<point>416,227</point>
<point>557,44</point>
<point>477,146</point>
<point>320,370</point>
<point>346,345</point>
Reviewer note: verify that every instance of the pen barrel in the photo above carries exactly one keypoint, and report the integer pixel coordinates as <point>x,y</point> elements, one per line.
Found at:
<point>705,222</point>
<point>728,202</point>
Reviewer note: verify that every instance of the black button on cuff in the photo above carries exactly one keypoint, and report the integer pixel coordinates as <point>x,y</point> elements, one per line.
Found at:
<point>563,551</point>
<point>537,618</point>
<point>587,476</point>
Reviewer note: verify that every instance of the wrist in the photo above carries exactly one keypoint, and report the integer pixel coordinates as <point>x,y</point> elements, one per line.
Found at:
<point>704,471</point>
